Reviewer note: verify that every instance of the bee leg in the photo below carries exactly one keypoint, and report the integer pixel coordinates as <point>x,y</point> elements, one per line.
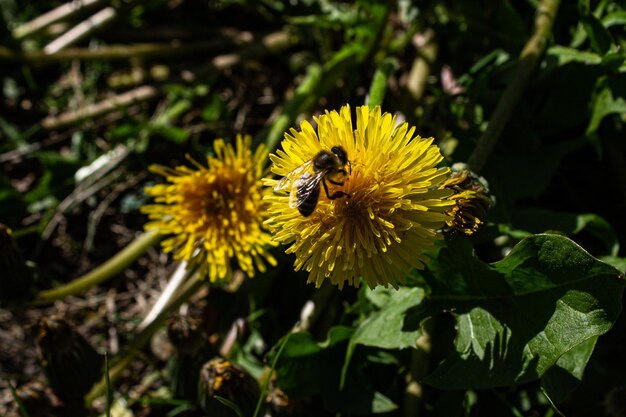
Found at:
<point>336,194</point>
<point>335,182</point>
<point>343,171</point>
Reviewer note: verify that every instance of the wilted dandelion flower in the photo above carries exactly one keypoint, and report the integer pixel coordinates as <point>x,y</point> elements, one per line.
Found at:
<point>214,214</point>
<point>471,199</point>
<point>392,210</point>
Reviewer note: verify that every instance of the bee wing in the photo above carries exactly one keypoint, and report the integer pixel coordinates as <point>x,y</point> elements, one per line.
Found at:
<point>304,186</point>
<point>288,180</point>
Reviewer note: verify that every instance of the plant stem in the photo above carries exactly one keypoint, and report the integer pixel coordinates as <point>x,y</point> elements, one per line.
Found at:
<point>106,271</point>
<point>283,342</point>
<point>378,87</point>
<point>546,13</point>
<point>164,50</point>
<point>107,382</point>
<point>303,99</point>
<point>315,84</point>
<point>190,287</point>
<point>420,359</point>
<point>312,309</point>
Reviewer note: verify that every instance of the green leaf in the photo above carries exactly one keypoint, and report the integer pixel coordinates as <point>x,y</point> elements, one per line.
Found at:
<point>616,262</point>
<point>517,317</point>
<point>598,227</point>
<point>538,220</point>
<point>382,404</point>
<point>599,37</point>
<point>298,359</point>
<point>613,60</point>
<point>584,7</point>
<point>565,55</point>
<point>212,112</point>
<point>174,111</point>
<point>173,134</point>
<point>9,131</point>
<point>307,367</point>
<point>614,19</point>
<point>561,380</point>
<point>605,104</point>
<point>385,328</point>
<point>545,164</point>
<point>493,58</point>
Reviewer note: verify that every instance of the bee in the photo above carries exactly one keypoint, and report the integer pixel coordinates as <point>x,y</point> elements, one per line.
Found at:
<point>305,180</point>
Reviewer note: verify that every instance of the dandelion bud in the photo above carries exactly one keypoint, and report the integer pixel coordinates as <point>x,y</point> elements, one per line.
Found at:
<point>281,405</point>
<point>69,362</point>
<point>471,198</point>
<point>35,399</point>
<point>16,279</point>
<point>190,352</point>
<point>221,378</point>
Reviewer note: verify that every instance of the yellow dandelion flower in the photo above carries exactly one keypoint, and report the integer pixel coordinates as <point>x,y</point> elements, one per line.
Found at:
<point>215,213</point>
<point>385,206</point>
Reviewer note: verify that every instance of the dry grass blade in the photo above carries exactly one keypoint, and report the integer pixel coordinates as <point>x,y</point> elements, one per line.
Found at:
<point>64,11</point>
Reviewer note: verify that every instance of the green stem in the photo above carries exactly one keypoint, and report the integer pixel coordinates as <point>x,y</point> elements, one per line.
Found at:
<point>318,80</point>
<point>106,271</point>
<point>378,88</point>
<point>143,337</point>
<point>546,12</point>
<point>420,360</point>
<point>303,98</point>
<point>107,381</point>
<point>267,380</point>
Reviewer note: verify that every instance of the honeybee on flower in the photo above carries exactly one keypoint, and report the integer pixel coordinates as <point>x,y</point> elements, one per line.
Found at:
<point>382,209</point>
<point>304,181</point>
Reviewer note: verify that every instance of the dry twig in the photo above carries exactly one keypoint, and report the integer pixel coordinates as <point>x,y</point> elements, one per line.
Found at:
<point>81,30</point>
<point>546,13</point>
<point>64,11</point>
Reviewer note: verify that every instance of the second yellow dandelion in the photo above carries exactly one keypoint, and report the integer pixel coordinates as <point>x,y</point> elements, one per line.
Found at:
<point>214,214</point>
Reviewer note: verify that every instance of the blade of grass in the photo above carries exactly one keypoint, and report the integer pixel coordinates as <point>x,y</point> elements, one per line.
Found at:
<point>108,385</point>
<point>303,99</point>
<point>107,270</point>
<point>318,81</point>
<point>267,380</point>
<point>378,87</point>
<point>228,403</point>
